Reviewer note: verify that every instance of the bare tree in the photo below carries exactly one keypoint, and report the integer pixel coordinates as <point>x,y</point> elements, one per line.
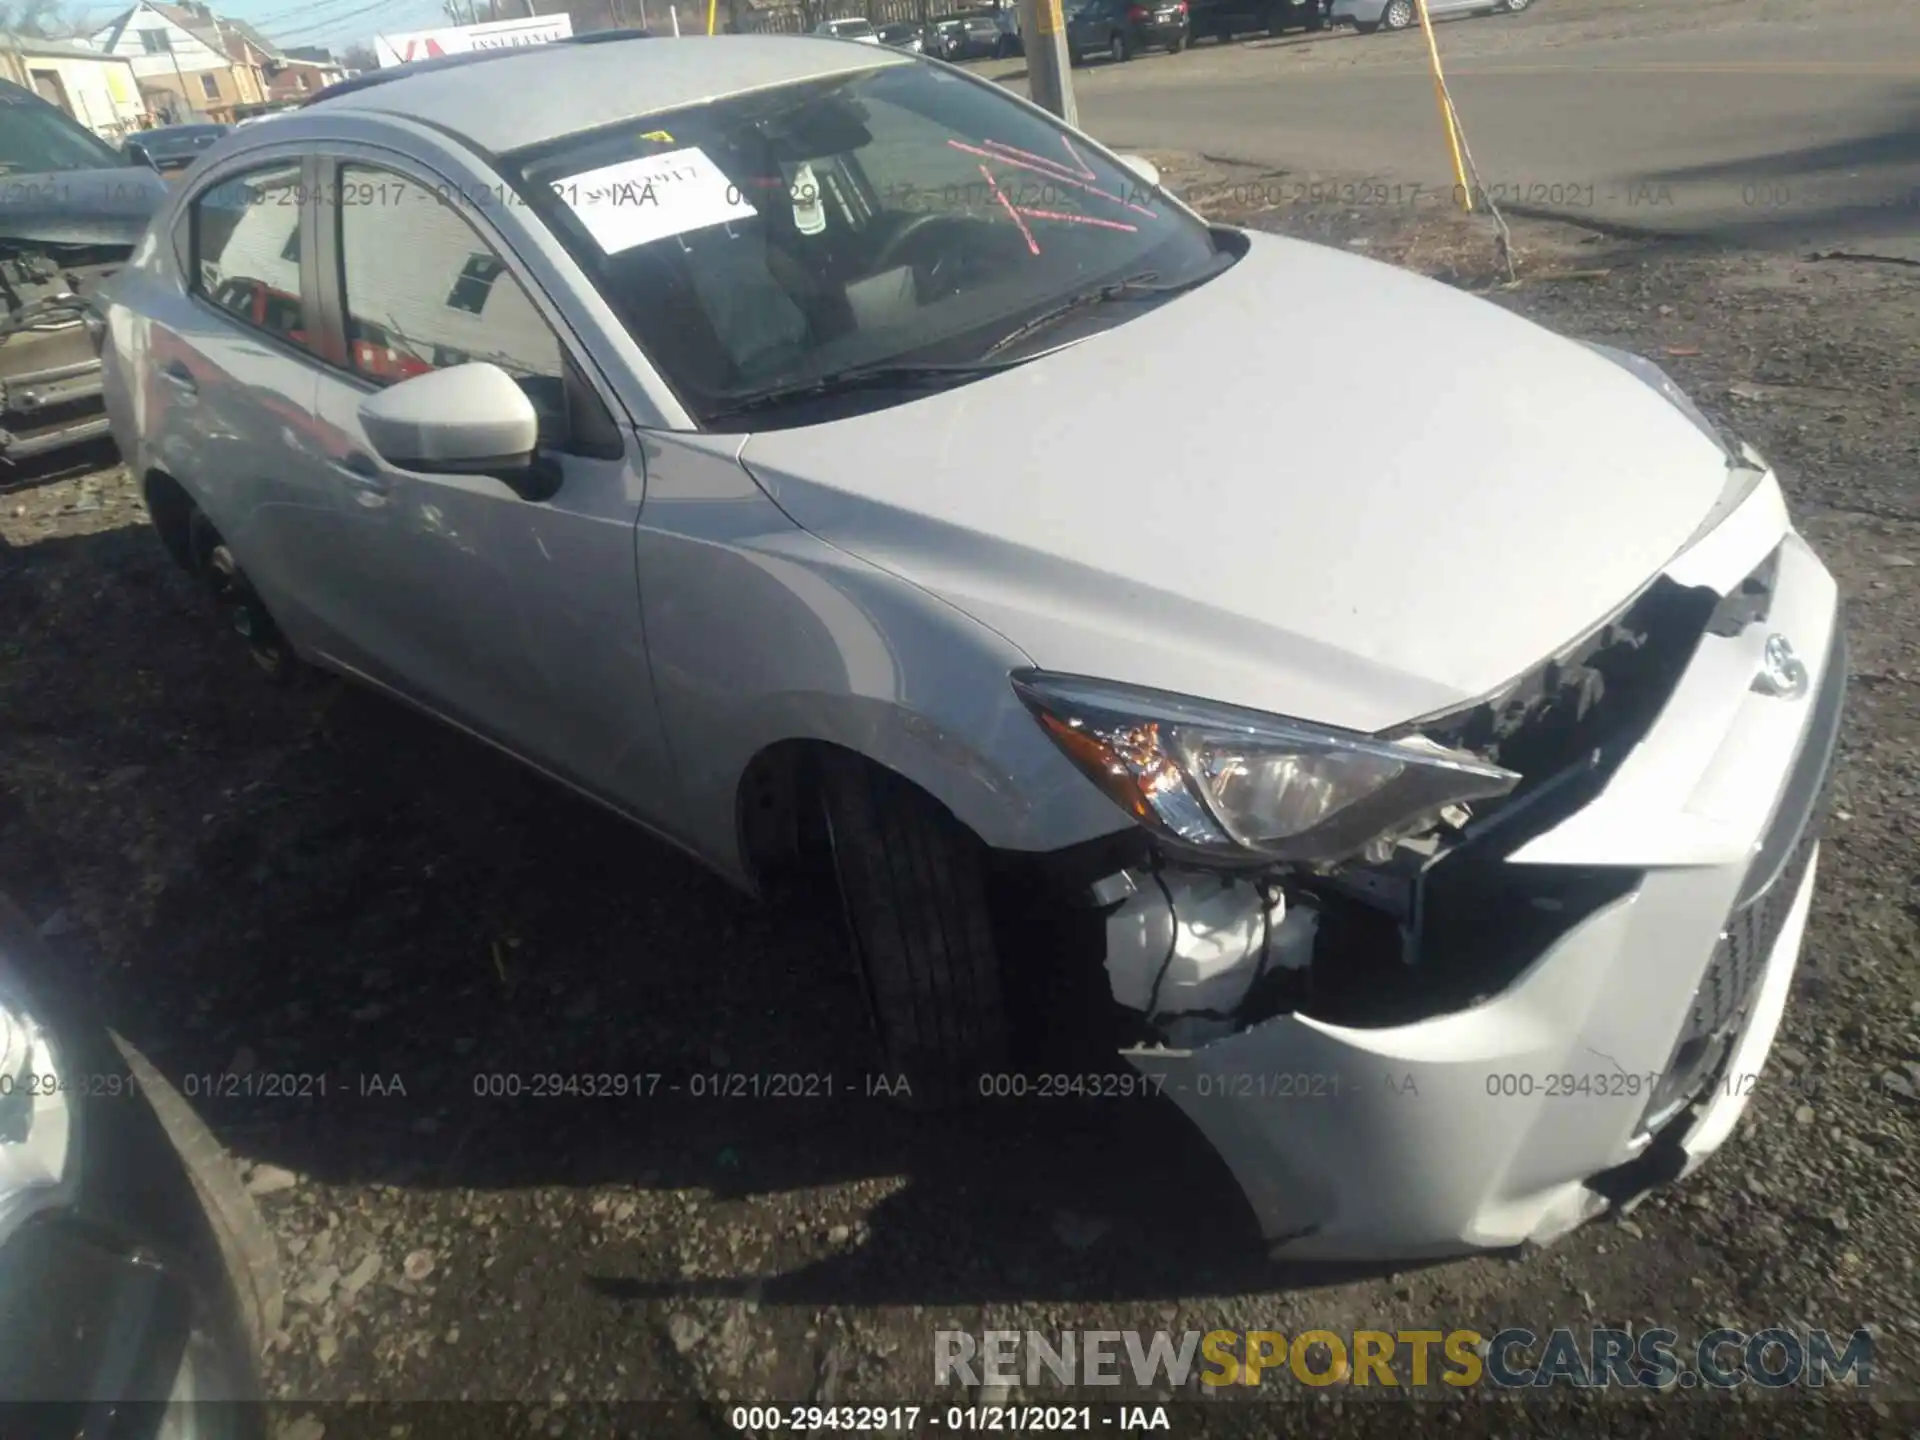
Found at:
<point>359,57</point>
<point>40,19</point>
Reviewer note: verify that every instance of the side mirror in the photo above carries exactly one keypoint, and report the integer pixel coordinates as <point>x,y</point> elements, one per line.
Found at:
<point>1142,167</point>
<point>464,420</point>
<point>136,154</point>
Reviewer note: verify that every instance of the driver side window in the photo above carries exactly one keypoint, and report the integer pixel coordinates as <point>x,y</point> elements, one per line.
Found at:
<point>422,291</point>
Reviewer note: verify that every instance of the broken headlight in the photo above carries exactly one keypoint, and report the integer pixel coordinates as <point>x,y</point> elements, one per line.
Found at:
<point>1220,779</point>
<point>35,1124</point>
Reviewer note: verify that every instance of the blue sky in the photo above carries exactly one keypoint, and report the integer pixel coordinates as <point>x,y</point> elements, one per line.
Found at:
<point>335,23</point>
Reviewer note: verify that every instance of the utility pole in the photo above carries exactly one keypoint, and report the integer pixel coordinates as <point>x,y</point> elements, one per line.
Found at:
<point>1043,38</point>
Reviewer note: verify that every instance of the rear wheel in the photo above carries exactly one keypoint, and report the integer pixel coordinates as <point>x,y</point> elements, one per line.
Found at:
<point>1514,7</point>
<point>1398,15</point>
<point>1176,45</point>
<point>1119,49</point>
<point>913,888</point>
<point>240,606</point>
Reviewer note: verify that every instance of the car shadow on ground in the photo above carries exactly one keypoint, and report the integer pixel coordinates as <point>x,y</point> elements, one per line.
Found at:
<point>350,935</point>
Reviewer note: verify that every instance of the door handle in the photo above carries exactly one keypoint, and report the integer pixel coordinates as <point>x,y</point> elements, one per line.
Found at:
<point>362,473</point>
<point>179,376</point>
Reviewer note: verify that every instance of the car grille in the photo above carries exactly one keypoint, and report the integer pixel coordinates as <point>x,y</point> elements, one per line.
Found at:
<point>1747,942</point>
<point>1766,896</point>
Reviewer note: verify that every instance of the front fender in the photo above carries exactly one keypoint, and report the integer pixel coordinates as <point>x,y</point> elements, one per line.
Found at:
<point>759,632</point>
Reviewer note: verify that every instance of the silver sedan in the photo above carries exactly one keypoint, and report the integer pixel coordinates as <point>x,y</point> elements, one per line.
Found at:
<point>834,464</point>
<point>1370,15</point>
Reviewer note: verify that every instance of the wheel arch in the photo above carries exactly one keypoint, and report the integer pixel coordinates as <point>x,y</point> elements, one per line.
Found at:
<point>171,508</point>
<point>1040,804</point>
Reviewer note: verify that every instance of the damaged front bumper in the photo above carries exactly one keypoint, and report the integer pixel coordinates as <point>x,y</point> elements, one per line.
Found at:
<point>50,392</point>
<point>1643,948</point>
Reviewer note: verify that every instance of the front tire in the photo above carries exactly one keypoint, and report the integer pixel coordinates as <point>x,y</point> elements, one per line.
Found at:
<point>913,888</point>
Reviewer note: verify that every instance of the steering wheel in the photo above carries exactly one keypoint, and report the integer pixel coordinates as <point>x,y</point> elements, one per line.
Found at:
<point>891,248</point>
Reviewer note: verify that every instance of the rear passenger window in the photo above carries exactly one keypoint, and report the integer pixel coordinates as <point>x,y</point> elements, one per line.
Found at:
<point>246,250</point>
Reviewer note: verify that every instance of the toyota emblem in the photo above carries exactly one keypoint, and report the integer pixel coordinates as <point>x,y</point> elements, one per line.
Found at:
<point>1781,672</point>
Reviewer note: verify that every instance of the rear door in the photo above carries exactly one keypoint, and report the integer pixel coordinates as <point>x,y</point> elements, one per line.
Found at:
<point>232,379</point>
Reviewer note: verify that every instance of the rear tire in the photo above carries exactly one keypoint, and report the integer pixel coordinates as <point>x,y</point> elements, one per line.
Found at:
<point>1175,46</point>
<point>913,888</point>
<point>241,608</point>
<point>1398,15</point>
<point>1118,50</point>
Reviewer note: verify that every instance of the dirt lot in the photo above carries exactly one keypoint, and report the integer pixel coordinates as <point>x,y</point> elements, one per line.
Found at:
<point>319,884</point>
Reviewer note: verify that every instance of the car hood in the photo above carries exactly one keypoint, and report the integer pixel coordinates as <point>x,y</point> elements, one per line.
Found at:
<point>81,207</point>
<point>1317,486</point>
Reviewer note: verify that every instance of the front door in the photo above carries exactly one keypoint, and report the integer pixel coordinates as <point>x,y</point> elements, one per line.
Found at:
<point>519,619</point>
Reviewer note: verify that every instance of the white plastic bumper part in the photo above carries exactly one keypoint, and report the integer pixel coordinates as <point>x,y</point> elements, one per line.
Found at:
<point>1485,1128</point>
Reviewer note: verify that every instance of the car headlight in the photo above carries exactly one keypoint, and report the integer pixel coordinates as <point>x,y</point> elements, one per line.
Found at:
<point>35,1123</point>
<point>1220,779</point>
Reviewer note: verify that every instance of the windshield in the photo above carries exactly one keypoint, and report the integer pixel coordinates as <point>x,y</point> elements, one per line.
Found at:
<point>903,214</point>
<point>850,27</point>
<point>37,139</point>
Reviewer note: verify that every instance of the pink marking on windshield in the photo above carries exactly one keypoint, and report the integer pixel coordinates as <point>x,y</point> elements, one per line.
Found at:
<point>1033,245</point>
<point>1033,214</point>
<point>1056,175</point>
<point>1078,168</point>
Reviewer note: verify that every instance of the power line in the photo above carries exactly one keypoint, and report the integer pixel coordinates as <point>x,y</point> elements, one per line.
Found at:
<point>342,19</point>
<point>296,12</point>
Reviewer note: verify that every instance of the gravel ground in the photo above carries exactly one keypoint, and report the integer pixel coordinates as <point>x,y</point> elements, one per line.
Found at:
<point>322,886</point>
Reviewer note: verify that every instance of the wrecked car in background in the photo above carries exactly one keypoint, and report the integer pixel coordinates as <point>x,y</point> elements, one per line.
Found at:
<point>1426,795</point>
<point>71,210</point>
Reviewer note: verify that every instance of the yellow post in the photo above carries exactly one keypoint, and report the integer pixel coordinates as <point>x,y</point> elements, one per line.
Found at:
<point>1462,187</point>
<point>713,7</point>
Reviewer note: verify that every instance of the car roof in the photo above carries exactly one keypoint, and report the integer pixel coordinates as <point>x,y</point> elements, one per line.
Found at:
<point>562,89</point>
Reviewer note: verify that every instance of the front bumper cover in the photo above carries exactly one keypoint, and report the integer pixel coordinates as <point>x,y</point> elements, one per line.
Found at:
<point>1516,1119</point>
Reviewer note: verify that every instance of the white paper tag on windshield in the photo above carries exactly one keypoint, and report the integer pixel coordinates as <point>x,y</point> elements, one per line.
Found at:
<point>635,202</point>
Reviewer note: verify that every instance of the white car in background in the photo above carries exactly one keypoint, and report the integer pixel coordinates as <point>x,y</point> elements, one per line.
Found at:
<point>1423,784</point>
<point>1366,16</point>
<point>853,29</point>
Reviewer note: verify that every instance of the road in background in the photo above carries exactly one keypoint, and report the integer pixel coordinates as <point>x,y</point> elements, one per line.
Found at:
<point>1771,124</point>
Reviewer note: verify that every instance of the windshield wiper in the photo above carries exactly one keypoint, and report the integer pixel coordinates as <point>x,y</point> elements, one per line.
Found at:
<point>885,376</point>
<point>1142,286</point>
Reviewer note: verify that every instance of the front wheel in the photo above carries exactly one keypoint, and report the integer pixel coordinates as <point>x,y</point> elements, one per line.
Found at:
<point>1119,50</point>
<point>913,890</point>
<point>1514,7</point>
